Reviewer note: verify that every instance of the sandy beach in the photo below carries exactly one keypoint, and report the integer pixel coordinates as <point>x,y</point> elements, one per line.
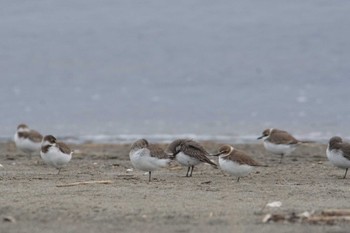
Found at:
<point>33,201</point>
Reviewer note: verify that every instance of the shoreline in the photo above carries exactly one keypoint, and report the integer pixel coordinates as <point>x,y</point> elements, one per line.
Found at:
<point>39,200</point>
<point>167,138</point>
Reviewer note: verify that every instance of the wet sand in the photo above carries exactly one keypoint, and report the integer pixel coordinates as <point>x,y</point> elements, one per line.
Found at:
<point>209,201</point>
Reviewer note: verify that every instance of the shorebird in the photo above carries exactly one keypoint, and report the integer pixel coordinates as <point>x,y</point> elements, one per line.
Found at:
<point>55,153</point>
<point>279,142</point>
<point>189,153</point>
<point>148,157</point>
<point>27,140</point>
<point>235,162</point>
<point>338,153</point>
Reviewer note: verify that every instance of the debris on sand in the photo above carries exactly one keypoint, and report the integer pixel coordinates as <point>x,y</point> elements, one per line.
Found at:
<point>86,182</point>
<point>274,204</point>
<point>9,219</point>
<point>329,216</point>
<point>129,170</point>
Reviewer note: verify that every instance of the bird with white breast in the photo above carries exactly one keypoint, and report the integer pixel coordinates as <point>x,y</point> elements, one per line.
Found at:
<point>55,153</point>
<point>27,140</point>
<point>235,162</point>
<point>148,157</point>
<point>338,153</point>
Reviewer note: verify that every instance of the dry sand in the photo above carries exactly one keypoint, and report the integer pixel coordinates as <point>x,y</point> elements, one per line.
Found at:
<point>209,201</point>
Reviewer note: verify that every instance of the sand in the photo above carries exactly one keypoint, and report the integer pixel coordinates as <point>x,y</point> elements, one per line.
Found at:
<point>31,200</point>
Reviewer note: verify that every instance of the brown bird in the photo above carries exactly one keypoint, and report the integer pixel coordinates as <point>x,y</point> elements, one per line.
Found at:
<point>235,162</point>
<point>280,142</point>
<point>189,153</point>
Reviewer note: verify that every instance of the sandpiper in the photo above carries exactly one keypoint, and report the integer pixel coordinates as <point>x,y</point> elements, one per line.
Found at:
<point>189,153</point>
<point>338,153</point>
<point>235,162</point>
<point>148,157</point>
<point>27,140</point>
<point>279,142</point>
<point>55,153</point>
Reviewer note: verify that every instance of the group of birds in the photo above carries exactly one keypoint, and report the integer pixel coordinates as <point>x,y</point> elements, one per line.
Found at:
<point>187,152</point>
<point>53,152</point>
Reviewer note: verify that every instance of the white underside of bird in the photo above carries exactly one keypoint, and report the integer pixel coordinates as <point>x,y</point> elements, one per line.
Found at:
<point>142,160</point>
<point>26,145</point>
<point>186,160</point>
<point>337,158</point>
<point>55,157</point>
<point>279,149</point>
<point>234,168</point>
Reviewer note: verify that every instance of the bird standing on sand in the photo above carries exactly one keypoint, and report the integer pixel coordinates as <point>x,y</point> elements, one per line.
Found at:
<point>27,140</point>
<point>279,142</point>
<point>235,162</point>
<point>338,153</point>
<point>189,153</point>
<point>148,157</point>
<point>55,153</point>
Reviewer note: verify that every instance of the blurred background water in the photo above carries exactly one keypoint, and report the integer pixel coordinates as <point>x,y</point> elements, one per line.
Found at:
<point>119,70</point>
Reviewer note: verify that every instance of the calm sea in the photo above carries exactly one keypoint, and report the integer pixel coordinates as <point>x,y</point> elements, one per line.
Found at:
<point>118,70</point>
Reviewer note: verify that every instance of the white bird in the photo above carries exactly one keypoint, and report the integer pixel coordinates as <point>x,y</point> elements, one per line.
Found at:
<point>148,157</point>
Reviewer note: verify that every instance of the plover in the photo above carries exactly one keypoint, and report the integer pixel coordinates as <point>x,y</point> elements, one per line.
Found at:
<point>148,157</point>
<point>27,140</point>
<point>55,153</point>
<point>338,153</point>
<point>279,142</point>
<point>235,162</point>
<point>189,153</point>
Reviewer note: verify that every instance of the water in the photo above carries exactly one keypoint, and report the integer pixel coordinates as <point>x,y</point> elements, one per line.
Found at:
<point>119,70</point>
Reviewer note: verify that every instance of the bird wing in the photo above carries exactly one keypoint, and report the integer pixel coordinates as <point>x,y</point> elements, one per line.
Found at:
<point>282,137</point>
<point>242,158</point>
<point>35,136</point>
<point>63,148</point>
<point>197,151</point>
<point>346,150</point>
<point>157,151</point>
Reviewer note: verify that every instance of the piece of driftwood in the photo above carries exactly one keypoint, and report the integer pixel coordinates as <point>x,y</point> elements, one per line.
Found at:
<point>336,212</point>
<point>329,216</point>
<point>85,182</point>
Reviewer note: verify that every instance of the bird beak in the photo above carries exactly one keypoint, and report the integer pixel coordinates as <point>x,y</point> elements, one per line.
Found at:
<point>174,155</point>
<point>260,137</point>
<point>217,154</point>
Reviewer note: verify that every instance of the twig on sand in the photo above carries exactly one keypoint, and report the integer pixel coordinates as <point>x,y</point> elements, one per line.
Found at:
<point>85,182</point>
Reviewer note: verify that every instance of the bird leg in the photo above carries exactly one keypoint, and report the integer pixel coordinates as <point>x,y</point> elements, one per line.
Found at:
<point>188,171</point>
<point>281,158</point>
<point>346,171</point>
<point>191,171</point>
<point>149,176</point>
<point>59,170</point>
<point>238,179</point>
